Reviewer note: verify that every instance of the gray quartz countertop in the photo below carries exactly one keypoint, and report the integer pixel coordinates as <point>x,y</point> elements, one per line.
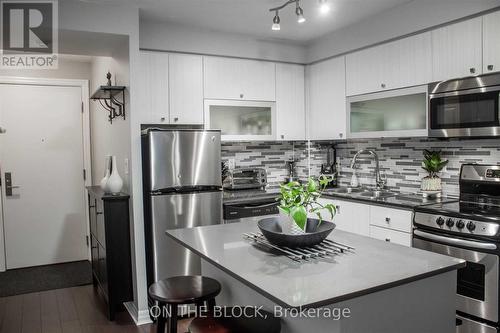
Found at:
<point>375,265</point>
<point>399,200</point>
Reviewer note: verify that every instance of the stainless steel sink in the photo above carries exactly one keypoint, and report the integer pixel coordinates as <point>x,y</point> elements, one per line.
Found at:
<point>377,194</point>
<point>347,190</point>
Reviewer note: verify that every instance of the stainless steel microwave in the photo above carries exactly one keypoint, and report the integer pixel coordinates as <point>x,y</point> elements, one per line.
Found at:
<point>467,107</point>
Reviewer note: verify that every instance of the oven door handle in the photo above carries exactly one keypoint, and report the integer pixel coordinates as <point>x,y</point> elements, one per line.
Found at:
<point>455,241</point>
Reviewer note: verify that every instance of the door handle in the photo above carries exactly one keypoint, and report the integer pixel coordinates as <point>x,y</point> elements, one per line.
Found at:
<point>8,184</point>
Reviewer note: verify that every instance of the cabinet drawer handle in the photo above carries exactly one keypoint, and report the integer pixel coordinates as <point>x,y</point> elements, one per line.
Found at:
<point>341,135</point>
<point>176,119</point>
<point>98,213</point>
<point>383,85</point>
<point>472,70</point>
<point>91,206</point>
<point>387,219</point>
<point>490,67</point>
<point>162,119</point>
<point>282,136</point>
<point>241,95</point>
<point>388,240</point>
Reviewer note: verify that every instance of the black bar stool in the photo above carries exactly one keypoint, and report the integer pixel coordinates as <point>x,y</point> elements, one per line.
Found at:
<point>182,290</point>
<point>236,320</point>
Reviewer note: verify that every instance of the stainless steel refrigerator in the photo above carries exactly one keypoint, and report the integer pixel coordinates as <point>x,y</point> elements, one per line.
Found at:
<point>182,189</point>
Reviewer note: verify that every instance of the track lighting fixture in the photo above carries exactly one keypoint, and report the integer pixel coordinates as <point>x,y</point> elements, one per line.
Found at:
<point>324,7</point>
<point>298,10</point>
<point>300,13</point>
<point>276,22</point>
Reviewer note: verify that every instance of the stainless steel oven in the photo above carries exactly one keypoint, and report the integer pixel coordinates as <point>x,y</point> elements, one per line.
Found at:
<point>467,107</point>
<point>477,283</point>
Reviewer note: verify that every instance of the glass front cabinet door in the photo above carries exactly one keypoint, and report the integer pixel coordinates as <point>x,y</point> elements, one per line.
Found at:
<point>241,120</point>
<point>396,113</point>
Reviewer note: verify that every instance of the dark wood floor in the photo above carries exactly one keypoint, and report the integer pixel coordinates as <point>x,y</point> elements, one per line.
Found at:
<point>71,310</point>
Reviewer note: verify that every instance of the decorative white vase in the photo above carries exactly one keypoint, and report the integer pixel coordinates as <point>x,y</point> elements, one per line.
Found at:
<point>289,226</point>
<point>431,184</point>
<point>107,173</point>
<point>115,182</point>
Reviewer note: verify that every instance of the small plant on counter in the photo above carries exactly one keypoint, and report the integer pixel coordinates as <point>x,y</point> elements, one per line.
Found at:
<point>297,200</point>
<point>433,164</point>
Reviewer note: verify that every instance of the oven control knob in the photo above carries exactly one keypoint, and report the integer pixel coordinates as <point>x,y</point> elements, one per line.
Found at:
<point>450,222</point>
<point>440,221</point>
<point>460,224</point>
<point>471,226</point>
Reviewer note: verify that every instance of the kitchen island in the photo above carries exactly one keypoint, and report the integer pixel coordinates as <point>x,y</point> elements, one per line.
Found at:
<point>380,287</point>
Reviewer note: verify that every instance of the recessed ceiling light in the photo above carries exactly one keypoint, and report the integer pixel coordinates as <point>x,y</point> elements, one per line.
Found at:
<point>324,6</point>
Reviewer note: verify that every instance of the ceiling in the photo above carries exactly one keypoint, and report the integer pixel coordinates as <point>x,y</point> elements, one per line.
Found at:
<point>252,17</point>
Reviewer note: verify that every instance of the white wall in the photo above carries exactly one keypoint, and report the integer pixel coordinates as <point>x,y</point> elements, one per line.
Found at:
<point>70,67</point>
<point>109,138</point>
<point>112,18</point>
<point>170,37</point>
<point>401,20</point>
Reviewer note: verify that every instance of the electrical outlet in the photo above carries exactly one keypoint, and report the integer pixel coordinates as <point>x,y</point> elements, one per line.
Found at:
<point>231,164</point>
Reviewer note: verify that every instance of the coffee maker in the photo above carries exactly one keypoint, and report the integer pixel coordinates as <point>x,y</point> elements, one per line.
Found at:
<point>330,168</point>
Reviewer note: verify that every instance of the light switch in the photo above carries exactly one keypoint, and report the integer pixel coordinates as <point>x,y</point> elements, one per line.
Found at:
<point>126,166</point>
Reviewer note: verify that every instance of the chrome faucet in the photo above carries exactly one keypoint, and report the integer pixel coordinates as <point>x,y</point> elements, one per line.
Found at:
<point>380,183</point>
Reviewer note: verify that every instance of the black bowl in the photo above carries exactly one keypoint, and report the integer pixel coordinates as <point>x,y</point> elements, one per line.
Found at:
<point>314,234</point>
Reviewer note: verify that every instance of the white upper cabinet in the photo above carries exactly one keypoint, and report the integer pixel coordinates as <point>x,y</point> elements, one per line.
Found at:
<point>491,42</point>
<point>364,71</point>
<point>238,79</point>
<point>402,63</point>
<point>186,89</point>
<point>457,50</point>
<point>326,112</point>
<point>290,102</point>
<point>154,87</point>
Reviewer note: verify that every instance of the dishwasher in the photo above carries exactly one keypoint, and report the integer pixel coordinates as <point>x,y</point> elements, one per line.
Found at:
<point>250,211</point>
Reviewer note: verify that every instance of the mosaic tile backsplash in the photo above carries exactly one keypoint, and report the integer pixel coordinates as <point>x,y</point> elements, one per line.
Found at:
<point>400,159</point>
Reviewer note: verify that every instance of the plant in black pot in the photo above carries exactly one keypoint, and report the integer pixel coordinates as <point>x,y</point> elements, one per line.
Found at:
<point>295,228</point>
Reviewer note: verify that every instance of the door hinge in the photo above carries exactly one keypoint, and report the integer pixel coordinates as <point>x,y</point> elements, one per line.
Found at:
<point>82,106</point>
<point>84,174</point>
<point>87,240</point>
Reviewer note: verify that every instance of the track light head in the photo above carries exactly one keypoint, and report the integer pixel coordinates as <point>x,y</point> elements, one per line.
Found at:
<point>324,7</point>
<point>300,13</point>
<point>276,22</point>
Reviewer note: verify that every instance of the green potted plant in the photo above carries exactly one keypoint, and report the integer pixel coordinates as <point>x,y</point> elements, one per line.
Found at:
<point>297,201</point>
<point>433,164</point>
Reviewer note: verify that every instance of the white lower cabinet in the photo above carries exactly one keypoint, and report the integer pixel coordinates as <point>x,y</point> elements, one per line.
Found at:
<point>390,218</point>
<point>390,224</point>
<point>390,235</point>
<point>351,216</point>
<point>384,223</point>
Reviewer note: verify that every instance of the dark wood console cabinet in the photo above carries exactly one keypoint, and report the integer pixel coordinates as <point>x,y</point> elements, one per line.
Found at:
<point>110,247</point>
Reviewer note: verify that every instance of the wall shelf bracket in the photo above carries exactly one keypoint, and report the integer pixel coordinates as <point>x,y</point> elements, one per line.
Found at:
<point>112,99</point>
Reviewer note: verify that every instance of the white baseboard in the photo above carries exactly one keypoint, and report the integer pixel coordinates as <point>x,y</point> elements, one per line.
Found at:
<point>139,317</point>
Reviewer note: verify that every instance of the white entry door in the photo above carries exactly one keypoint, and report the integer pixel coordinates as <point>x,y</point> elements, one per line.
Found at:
<point>41,152</point>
